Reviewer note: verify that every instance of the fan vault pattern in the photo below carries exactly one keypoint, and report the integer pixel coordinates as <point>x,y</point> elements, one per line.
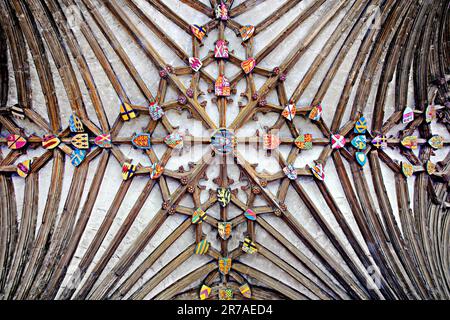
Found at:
<point>327,213</point>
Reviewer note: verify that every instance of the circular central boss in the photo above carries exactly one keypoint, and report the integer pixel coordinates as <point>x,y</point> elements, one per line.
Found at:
<point>223,141</point>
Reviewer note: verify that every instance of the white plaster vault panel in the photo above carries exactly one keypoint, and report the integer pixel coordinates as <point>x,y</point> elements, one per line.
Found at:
<point>268,164</point>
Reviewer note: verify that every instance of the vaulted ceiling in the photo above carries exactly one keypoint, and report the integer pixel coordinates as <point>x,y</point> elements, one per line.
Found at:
<point>160,149</point>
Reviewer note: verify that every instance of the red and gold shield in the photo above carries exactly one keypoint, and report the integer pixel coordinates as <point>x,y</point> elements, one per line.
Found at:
<point>198,31</point>
<point>248,65</point>
<point>50,141</point>
<point>141,141</point>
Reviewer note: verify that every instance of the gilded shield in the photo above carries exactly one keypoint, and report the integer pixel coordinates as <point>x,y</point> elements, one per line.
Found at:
<point>221,49</point>
<point>408,115</point>
<point>250,214</point>
<point>223,141</point>
<point>80,141</point>
<point>221,11</point>
<point>430,113</point>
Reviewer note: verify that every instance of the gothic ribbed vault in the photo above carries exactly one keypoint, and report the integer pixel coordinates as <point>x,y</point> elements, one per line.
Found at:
<point>282,149</point>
